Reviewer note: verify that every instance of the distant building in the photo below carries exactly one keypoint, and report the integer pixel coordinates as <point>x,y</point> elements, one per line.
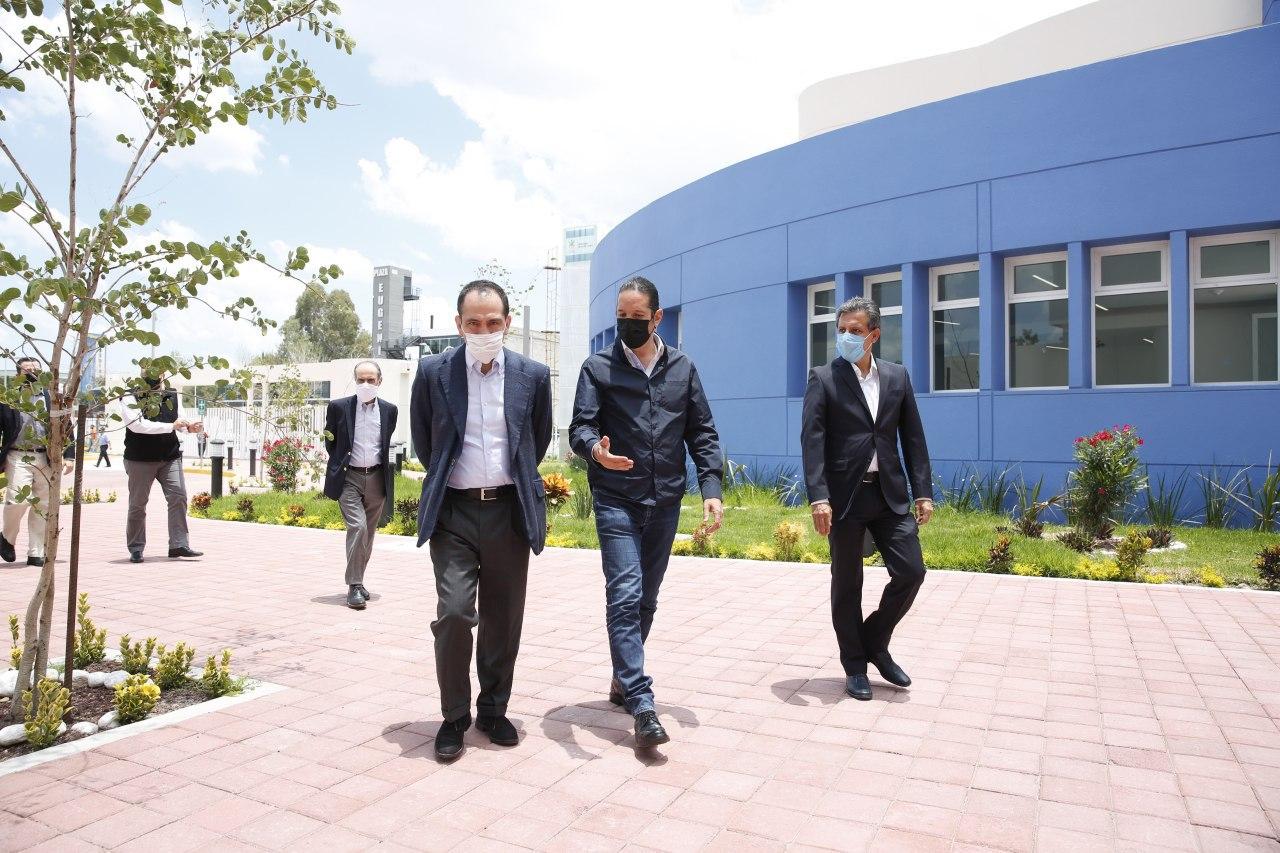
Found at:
<point>575,326</point>
<point>392,288</point>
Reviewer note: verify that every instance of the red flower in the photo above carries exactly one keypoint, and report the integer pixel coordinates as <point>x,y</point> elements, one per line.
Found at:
<point>1140,442</point>
<point>1101,491</point>
<point>1128,428</point>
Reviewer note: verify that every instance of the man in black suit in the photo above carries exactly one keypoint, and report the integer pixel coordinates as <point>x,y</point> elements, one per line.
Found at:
<point>856,410</point>
<point>357,435</point>
<point>481,418</point>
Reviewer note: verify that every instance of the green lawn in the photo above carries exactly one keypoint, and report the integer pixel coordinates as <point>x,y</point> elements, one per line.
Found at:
<point>953,540</point>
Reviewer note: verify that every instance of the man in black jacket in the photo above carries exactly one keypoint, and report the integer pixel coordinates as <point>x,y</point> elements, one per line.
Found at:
<point>24,458</point>
<point>359,476</point>
<point>856,410</point>
<point>153,453</point>
<point>638,407</point>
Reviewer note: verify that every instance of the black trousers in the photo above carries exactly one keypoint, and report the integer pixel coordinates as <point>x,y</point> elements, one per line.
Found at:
<point>103,457</point>
<point>480,552</point>
<point>897,538</point>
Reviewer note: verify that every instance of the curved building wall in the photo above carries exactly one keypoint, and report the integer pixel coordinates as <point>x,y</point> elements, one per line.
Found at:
<point>1168,147</point>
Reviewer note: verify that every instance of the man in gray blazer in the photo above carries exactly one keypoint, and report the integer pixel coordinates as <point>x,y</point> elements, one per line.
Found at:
<point>481,423</point>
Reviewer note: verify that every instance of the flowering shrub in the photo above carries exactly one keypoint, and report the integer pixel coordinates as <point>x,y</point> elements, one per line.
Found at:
<point>283,460</point>
<point>558,489</point>
<point>701,543</point>
<point>200,503</point>
<point>1105,479</point>
<point>1000,556</point>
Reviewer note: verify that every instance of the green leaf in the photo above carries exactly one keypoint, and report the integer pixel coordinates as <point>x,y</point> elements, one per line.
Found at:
<point>268,50</point>
<point>8,201</point>
<point>139,214</point>
<point>156,6</point>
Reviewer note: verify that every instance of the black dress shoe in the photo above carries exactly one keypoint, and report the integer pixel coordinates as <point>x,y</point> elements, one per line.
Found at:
<point>354,599</point>
<point>499,729</point>
<point>135,556</point>
<point>368,596</point>
<point>615,693</point>
<point>6,550</point>
<point>449,744</point>
<point>649,732</point>
<point>859,687</point>
<point>184,552</point>
<point>35,561</point>
<point>890,671</point>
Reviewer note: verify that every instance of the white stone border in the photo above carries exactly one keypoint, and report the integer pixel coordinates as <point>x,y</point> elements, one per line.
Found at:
<point>252,690</point>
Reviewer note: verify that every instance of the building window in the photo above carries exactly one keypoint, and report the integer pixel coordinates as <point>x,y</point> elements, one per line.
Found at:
<point>886,292</point>
<point>1036,289</point>
<point>953,297</point>
<point>1131,314</point>
<point>1234,285</point>
<point>822,323</point>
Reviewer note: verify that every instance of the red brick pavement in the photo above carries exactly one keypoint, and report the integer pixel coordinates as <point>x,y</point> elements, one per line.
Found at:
<point>1045,715</point>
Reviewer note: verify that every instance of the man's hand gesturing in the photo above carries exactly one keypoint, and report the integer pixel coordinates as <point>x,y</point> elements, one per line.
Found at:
<point>601,454</point>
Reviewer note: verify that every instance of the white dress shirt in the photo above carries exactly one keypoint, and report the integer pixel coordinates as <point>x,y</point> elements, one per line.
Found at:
<point>485,460</point>
<point>658,348</point>
<point>871,390</point>
<point>132,412</point>
<point>366,444</point>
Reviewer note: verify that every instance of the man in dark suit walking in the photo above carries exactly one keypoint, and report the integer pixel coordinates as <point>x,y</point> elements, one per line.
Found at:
<point>357,435</point>
<point>856,410</point>
<point>481,422</point>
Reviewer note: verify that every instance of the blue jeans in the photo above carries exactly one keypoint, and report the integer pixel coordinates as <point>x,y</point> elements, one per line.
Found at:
<point>635,545</point>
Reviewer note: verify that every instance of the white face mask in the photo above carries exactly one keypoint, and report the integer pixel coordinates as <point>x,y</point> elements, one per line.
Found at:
<point>366,392</point>
<point>485,347</point>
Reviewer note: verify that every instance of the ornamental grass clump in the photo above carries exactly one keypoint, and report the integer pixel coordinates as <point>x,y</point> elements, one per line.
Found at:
<point>1105,479</point>
<point>43,720</point>
<point>136,696</point>
<point>136,657</point>
<point>1030,508</point>
<point>90,641</point>
<point>172,666</point>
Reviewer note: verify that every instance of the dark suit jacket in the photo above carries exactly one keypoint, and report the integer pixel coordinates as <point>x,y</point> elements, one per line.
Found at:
<point>438,418</point>
<point>838,437</point>
<point>340,430</point>
<point>11,432</point>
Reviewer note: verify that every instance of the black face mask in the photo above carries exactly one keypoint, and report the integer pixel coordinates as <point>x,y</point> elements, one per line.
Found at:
<point>154,384</point>
<point>634,333</point>
<point>29,377</point>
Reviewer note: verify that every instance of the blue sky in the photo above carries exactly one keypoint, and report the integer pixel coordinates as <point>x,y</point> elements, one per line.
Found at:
<point>479,130</point>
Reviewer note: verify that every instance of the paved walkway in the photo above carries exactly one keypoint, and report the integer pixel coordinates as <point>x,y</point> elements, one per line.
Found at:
<point>1046,715</point>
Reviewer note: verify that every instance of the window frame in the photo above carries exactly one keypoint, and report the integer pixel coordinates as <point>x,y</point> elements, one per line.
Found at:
<point>1011,298</point>
<point>880,278</point>
<point>1197,282</point>
<point>934,305</point>
<point>811,318</point>
<point>1096,289</point>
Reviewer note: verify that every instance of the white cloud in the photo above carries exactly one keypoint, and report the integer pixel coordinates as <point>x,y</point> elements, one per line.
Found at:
<point>283,159</point>
<point>590,110</point>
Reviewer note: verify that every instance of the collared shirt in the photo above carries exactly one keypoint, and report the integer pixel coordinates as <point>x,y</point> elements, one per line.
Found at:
<point>135,419</point>
<point>366,444</point>
<point>871,390</point>
<point>647,369</point>
<point>485,458</point>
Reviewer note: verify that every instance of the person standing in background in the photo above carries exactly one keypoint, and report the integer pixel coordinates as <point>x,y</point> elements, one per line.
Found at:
<point>104,444</point>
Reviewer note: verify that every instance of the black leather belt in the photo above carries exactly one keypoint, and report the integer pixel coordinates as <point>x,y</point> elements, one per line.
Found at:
<point>368,470</point>
<point>871,476</point>
<point>489,493</point>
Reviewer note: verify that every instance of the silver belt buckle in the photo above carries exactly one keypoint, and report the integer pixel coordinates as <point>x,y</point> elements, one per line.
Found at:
<point>489,493</point>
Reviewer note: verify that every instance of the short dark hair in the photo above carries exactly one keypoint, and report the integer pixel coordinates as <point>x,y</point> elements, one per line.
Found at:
<point>640,284</point>
<point>480,285</point>
<point>866,306</point>
<point>25,359</point>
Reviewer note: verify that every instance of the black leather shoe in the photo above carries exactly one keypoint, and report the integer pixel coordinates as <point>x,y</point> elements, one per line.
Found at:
<point>449,744</point>
<point>499,729</point>
<point>35,561</point>
<point>368,596</point>
<point>649,732</point>
<point>890,671</point>
<point>859,687</point>
<point>615,693</point>
<point>184,552</point>
<point>354,599</point>
<point>6,550</point>
<point>135,556</point>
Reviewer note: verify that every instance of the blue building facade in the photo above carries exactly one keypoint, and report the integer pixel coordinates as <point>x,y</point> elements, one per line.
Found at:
<point>1055,255</point>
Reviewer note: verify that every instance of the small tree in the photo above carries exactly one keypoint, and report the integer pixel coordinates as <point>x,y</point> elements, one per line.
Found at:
<point>97,286</point>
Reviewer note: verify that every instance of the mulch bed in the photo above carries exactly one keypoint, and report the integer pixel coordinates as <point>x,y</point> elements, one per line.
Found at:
<point>88,704</point>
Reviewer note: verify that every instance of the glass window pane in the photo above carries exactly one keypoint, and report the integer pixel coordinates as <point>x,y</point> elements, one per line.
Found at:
<point>1235,333</point>
<point>1131,339</point>
<point>955,349</point>
<point>958,285</point>
<point>887,294</point>
<point>1235,259</point>
<point>822,342</point>
<point>1038,344</point>
<point>1131,268</point>
<point>824,301</point>
<point>1045,277</point>
<point>889,347</point>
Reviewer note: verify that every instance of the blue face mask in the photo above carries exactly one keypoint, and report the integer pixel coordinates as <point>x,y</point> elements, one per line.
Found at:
<point>851,347</point>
